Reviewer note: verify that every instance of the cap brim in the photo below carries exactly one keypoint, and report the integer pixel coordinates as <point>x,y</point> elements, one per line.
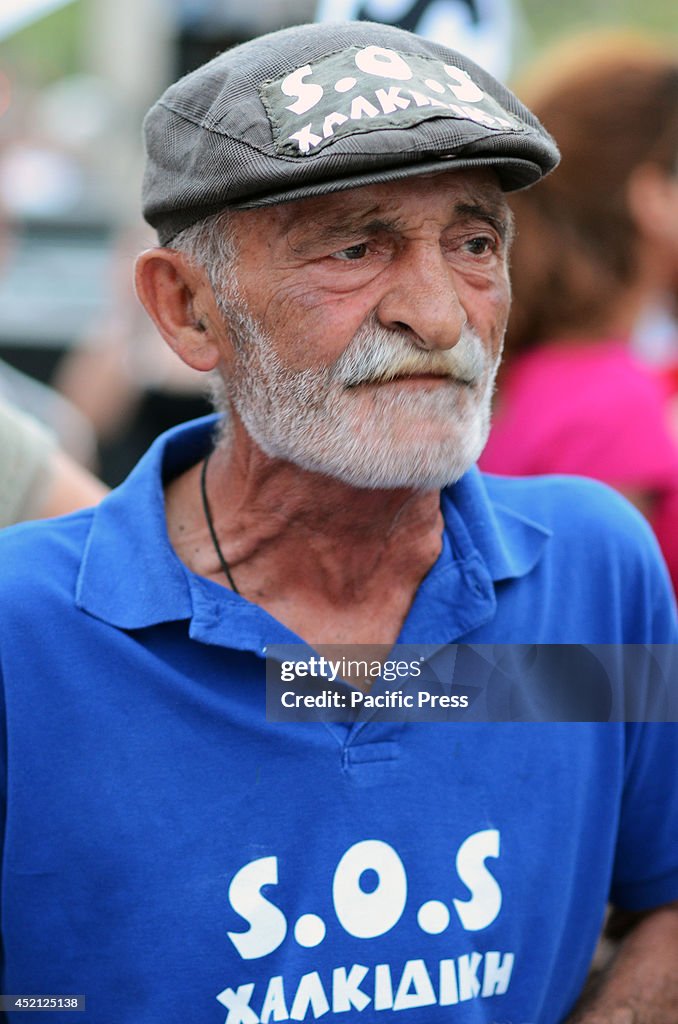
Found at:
<point>513,174</point>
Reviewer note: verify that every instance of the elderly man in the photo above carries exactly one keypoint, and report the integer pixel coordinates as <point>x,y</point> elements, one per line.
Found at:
<point>333,244</point>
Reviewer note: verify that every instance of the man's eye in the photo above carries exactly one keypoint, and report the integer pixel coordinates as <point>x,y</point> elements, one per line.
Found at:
<point>353,252</point>
<point>480,246</point>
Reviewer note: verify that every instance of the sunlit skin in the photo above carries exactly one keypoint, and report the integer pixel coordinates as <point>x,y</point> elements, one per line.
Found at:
<point>393,250</point>
<point>335,563</point>
<point>413,251</point>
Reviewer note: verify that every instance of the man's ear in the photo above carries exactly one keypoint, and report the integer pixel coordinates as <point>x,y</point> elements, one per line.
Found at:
<point>179,300</point>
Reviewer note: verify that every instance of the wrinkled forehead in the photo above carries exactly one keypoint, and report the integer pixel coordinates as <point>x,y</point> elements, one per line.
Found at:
<point>401,203</point>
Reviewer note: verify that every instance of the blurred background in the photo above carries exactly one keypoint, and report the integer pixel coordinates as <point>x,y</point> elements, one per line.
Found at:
<point>76,77</point>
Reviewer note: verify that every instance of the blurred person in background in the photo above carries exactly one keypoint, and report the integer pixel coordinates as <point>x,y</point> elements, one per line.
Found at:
<point>596,256</point>
<point>37,479</point>
<point>71,429</point>
<point>58,415</point>
<point>43,439</point>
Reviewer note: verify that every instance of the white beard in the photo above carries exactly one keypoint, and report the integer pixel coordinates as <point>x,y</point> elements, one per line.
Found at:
<point>320,420</point>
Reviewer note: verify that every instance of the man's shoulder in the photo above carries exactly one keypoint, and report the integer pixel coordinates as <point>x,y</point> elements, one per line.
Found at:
<point>599,570</point>
<point>568,505</point>
<point>42,554</point>
<point>589,522</point>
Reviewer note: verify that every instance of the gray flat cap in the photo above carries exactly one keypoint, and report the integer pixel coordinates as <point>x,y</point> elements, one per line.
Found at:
<point>316,109</point>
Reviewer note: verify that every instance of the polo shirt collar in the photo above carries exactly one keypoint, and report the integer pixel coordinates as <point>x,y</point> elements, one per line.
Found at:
<point>509,543</point>
<point>131,578</point>
<point>130,575</point>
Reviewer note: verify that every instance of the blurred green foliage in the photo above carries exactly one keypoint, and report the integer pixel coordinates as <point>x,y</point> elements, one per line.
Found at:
<point>49,48</point>
<point>548,19</point>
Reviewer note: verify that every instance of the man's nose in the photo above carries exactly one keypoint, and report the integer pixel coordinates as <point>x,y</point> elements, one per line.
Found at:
<point>421,298</point>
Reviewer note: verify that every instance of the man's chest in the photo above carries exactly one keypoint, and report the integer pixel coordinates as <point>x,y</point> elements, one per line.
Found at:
<point>244,871</point>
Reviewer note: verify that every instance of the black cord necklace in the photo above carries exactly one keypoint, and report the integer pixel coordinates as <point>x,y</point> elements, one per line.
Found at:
<point>210,523</point>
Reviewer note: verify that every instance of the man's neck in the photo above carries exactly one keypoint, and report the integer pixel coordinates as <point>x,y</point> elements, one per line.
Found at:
<point>333,562</point>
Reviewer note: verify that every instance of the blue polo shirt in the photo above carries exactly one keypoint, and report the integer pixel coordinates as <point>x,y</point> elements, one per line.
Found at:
<point>174,857</point>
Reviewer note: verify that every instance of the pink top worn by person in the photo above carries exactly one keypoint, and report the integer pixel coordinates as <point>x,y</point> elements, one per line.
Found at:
<point>593,410</point>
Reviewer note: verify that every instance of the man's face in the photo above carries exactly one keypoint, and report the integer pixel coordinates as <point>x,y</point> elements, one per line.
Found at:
<point>367,327</point>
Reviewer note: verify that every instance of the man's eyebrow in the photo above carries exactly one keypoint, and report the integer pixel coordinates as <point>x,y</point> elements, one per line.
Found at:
<point>348,227</point>
<point>499,216</point>
<point>354,225</point>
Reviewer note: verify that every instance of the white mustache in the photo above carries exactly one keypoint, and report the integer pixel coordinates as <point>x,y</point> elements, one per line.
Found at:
<point>377,355</point>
